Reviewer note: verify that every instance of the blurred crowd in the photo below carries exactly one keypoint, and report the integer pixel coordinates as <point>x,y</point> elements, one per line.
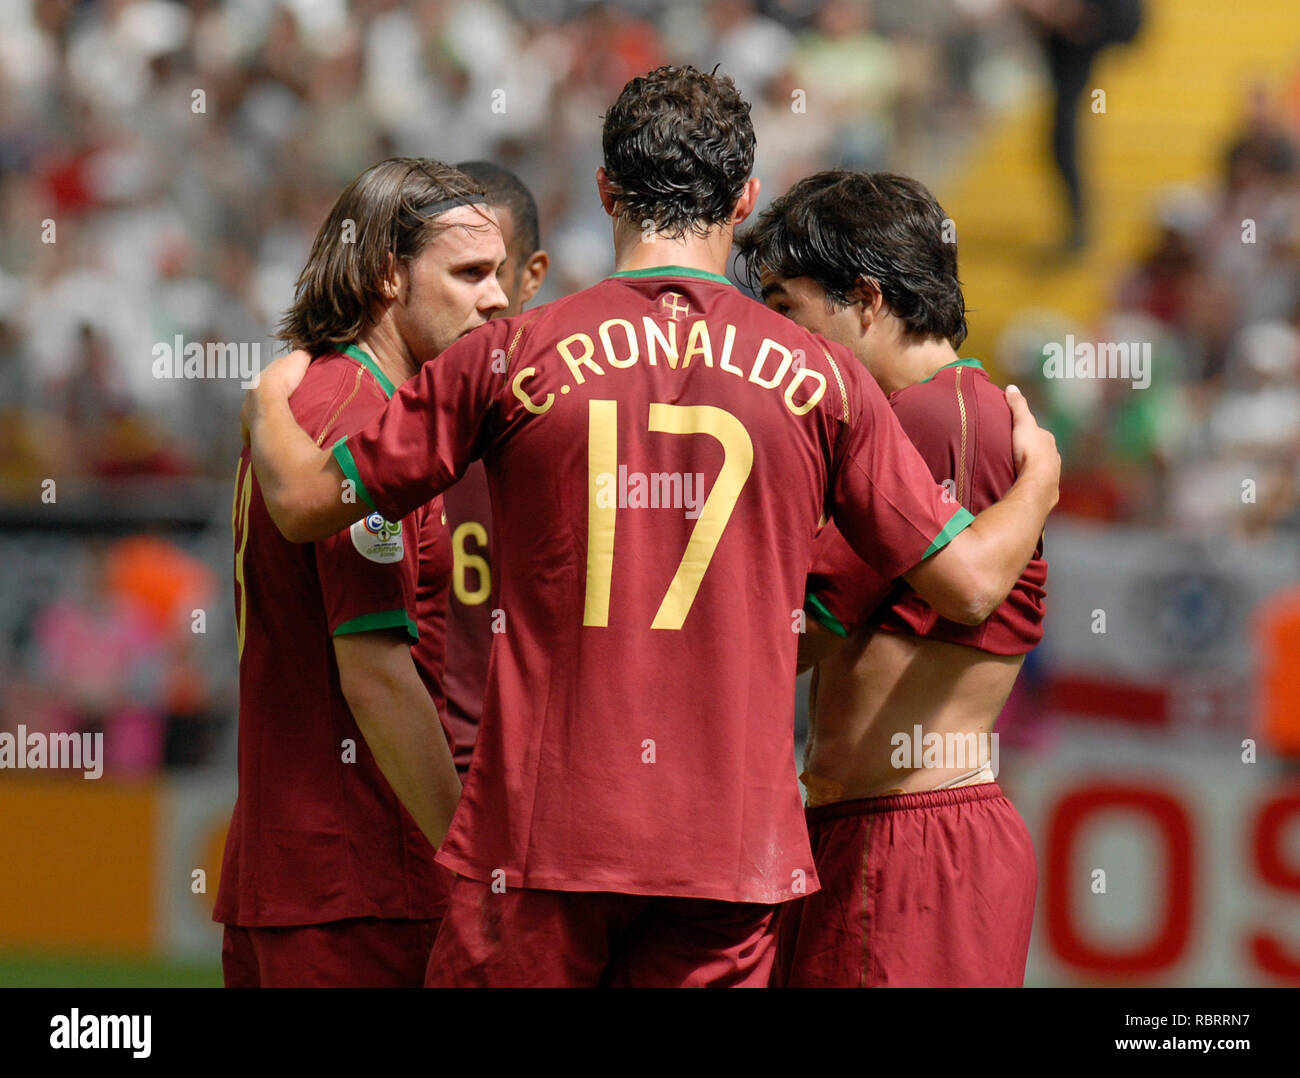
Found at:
<point>1213,445</point>
<point>123,649</point>
<point>164,166</point>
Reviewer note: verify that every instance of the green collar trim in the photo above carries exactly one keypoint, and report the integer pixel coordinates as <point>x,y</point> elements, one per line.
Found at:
<point>954,363</point>
<point>365,359</point>
<point>674,271</point>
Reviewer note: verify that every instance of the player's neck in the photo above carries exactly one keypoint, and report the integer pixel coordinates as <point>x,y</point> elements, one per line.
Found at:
<point>637,250</point>
<point>915,363</point>
<point>389,353</point>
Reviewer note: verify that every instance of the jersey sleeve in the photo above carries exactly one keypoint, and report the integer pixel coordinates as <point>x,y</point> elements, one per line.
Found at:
<point>842,589</point>
<point>432,427</point>
<point>883,498</point>
<point>369,572</point>
<point>368,576</point>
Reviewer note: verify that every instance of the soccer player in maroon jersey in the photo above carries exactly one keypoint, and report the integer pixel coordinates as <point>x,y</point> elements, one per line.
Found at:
<point>927,871</point>
<point>346,783</point>
<point>659,464</point>
<point>468,505</point>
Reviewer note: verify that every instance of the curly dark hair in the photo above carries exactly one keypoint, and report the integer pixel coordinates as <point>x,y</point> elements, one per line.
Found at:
<point>679,146</point>
<point>850,229</point>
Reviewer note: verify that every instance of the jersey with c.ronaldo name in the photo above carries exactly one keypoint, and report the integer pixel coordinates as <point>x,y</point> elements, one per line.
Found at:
<point>317,834</point>
<point>660,449</point>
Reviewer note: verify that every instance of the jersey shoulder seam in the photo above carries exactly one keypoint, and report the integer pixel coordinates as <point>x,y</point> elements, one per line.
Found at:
<point>348,399</point>
<point>346,391</point>
<point>845,415</point>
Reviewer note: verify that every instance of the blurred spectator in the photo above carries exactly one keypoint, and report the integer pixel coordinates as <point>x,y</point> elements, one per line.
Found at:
<point>1213,444</point>
<point>118,652</point>
<point>99,660</point>
<point>852,77</point>
<point>1074,33</point>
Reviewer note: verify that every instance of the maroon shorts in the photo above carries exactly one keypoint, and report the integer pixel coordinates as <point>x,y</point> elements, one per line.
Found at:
<point>527,938</point>
<point>918,890</point>
<point>362,952</point>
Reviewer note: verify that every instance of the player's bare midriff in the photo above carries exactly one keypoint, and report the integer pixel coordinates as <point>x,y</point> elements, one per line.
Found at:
<point>881,685</point>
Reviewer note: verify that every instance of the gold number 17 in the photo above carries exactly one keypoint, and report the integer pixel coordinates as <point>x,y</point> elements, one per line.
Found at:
<point>602,460</point>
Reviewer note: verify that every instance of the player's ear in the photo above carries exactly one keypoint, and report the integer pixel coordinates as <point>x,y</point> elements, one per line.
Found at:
<point>871,300</point>
<point>393,281</point>
<point>534,273</point>
<point>747,201</point>
<point>606,190</point>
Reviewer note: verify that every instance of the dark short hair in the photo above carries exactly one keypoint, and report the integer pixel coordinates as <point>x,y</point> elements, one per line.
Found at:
<point>384,211</point>
<point>504,188</point>
<point>679,146</point>
<point>839,227</point>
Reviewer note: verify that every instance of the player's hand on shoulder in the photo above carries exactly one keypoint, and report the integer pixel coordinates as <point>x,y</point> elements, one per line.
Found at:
<point>280,379</point>
<point>1031,445</point>
<point>285,374</point>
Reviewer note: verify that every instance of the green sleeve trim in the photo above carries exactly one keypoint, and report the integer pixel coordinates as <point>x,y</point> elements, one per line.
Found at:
<point>824,617</point>
<point>960,521</point>
<point>385,619</point>
<point>343,455</point>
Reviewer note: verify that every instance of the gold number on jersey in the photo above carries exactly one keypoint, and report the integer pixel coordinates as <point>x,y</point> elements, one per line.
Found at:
<point>239,526</point>
<point>737,460</point>
<point>602,459</point>
<point>462,560</point>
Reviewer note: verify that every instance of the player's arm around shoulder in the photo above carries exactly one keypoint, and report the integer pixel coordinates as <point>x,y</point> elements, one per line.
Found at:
<point>301,483</point>
<point>973,573</point>
<point>397,717</point>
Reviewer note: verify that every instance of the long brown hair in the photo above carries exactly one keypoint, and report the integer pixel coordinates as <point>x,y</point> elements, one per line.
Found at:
<point>383,212</point>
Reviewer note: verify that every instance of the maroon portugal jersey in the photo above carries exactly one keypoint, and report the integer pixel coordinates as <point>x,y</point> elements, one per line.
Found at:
<point>960,422</point>
<point>469,609</point>
<point>432,591</point>
<point>317,833</point>
<point>659,450</point>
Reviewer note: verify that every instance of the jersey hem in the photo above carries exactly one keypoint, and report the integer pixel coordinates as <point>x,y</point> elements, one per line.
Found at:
<point>546,882</point>
<point>307,920</point>
<point>1019,647</point>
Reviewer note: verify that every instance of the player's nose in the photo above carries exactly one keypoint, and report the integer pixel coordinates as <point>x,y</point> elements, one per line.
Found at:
<point>494,299</point>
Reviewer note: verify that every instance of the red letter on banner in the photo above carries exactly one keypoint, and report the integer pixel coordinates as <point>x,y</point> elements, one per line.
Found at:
<point>1166,947</point>
<point>1270,826</point>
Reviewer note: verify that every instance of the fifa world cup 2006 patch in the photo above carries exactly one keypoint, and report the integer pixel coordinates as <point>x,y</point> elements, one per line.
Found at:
<point>378,540</point>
